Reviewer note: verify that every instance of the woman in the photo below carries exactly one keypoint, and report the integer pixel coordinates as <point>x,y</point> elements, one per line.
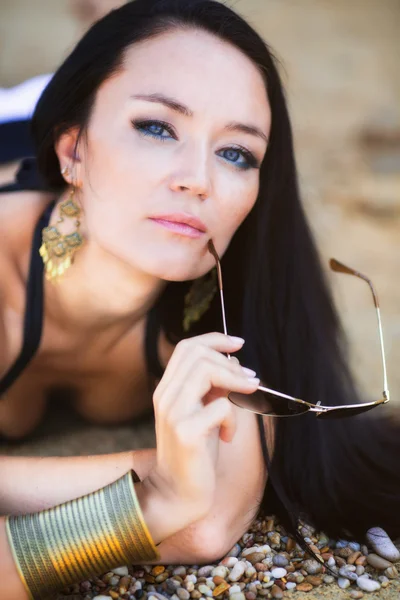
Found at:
<point>172,110</point>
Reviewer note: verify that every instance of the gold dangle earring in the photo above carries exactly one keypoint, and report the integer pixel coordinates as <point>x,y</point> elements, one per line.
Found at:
<point>58,250</point>
<point>199,297</point>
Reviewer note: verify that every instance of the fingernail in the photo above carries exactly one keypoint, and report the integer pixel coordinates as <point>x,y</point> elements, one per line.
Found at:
<point>249,371</point>
<point>237,340</point>
<point>254,380</point>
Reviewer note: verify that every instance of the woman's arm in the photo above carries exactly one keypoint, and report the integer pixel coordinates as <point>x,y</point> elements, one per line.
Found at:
<point>31,484</point>
<point>13,586</point>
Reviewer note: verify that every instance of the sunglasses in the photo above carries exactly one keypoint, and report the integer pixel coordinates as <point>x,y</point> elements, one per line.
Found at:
<point>269,402</point>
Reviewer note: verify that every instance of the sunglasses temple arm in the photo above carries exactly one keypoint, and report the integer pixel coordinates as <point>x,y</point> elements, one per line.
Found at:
<point>386,394</point>
<point>213,251</point>
<point>385,383</point>
<point>223,315</point>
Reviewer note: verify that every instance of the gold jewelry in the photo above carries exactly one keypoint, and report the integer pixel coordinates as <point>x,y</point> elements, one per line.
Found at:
<point>199,297</point>
<point>71,542</point>
<point>57,250</point>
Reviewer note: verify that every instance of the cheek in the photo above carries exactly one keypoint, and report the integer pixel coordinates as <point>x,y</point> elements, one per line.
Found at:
<point>239,201</point>
<point>118,171</point>
<point>117,161</point>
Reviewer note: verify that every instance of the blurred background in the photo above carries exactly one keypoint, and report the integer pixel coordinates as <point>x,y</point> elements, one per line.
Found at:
<point>339,62</point>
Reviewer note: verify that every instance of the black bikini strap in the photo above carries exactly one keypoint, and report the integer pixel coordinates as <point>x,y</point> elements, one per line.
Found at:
<point>27,178</point>
<point>33,319</point>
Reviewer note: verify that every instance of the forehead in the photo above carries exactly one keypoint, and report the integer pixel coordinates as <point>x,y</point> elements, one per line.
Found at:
<point>206,73</point>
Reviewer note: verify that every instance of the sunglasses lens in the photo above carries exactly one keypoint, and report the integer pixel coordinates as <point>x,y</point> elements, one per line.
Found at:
<point>268,404</point>
<point>340,413</point>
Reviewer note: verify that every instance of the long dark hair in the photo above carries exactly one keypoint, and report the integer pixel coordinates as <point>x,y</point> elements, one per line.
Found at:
<point>343,475</point>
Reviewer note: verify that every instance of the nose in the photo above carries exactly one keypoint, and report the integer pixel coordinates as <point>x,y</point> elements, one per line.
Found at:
<point>193,175</point>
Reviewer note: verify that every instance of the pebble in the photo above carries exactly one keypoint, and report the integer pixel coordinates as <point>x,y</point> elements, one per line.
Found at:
<point>205,590</point>
<point>360,570</point>
<point>237,571</point>
<point>235,550</point>
<point>378,562</point>
<point>182,594</point>
<point>391,572</point>
<point>220,571</point>
<point>189,585</point>
<point>205,571</point>
<point>314,580</point>
<point>355,546</point>
<point>121,571</point>
<point>343,572</point>
<point>382,544</point>
<point>304,587</point>
<point>238,596</point>
<point>340,561</point>
<point>255,557</point>
<point>250,571</point>
<point>233,589</point>
<point>278,573</point>
<point>328,579</point>
<point>276,592</point>
<point>280,560</point>
<point>368,585</point>
<point>220,589</point>
<point>353,557</point>
<point>274,539</point>
<point>356,594</point>
<point>229,561</point>
<point>101,598</point>
<point>291,585</point>
<point>290,544</point>
<point>343,583</point>
<point>250,550</point>
<point>312,566</point>
<point>345,552</point>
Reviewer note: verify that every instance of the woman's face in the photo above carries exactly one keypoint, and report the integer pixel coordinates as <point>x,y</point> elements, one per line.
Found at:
<point>145,158</point>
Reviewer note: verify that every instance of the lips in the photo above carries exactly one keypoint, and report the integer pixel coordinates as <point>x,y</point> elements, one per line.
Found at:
<point>184,218</point>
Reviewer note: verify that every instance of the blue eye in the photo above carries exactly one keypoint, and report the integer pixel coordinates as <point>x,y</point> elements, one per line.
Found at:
<point>233,153</point>
<point>153,129</point>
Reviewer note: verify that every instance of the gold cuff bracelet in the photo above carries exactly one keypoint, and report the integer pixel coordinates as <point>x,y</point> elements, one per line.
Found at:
<point>80,538</point>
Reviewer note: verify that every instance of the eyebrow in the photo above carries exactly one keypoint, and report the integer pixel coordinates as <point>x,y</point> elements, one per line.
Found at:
<point>184,110</point>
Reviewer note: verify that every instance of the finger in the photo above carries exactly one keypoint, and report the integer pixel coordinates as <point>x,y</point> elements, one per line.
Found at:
<point>218,341</point>
<point>191,365</point>
<point>204,378</point>
<point>201,425</point>
<point>185,359</point>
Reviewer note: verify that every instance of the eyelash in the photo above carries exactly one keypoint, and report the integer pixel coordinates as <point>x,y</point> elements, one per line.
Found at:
<point>252,162</point>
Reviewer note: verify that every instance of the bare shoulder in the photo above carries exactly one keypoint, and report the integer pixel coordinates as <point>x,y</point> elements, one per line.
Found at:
<point>19,212</point>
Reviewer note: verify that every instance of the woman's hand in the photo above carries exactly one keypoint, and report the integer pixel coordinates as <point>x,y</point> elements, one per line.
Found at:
<point>192,412</point>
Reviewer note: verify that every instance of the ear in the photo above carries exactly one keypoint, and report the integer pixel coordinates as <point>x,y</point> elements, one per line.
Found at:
<point>67,150</point>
